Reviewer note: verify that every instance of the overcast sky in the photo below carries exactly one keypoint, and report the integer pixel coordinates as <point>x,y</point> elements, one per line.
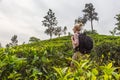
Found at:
<point>23,17</point>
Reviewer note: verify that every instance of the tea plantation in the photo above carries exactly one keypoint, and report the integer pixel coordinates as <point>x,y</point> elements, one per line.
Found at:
<point>50,60</point>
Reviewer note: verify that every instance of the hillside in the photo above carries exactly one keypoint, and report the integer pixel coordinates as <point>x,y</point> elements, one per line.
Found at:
<point>50,60</point>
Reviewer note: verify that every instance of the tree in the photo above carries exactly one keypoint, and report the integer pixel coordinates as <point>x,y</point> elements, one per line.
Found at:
<point>7,45</point>
<point>50,22</point>
<point>118,23</point>
<point>90,14</point>
<point>114,31</point>
<point>82,20</point>
<point>23,43</point>
<point>90,32</point>
<point>64,30</point>
<point>34,39</point>
<point>58,31</point>
<point>69,34</point>
<point>0,45</point>
<point>14,41</point>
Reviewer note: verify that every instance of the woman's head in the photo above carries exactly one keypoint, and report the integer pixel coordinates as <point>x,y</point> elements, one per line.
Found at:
<point>77,27</point>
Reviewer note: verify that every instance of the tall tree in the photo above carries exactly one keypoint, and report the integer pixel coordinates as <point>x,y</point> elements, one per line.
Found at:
<point>14,41</point>
<point>90,14</point>
<point>34,39</point>
<point>58,31</point>
<point>50,22</point>
<point>64,30</point>
<point>7,45</point>
<point>118,23</point>
<point>82,20</point>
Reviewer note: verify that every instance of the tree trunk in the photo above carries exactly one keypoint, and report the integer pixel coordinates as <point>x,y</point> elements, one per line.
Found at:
<point>59,35</point>
<point>50,35</point>
<point>92,25</point>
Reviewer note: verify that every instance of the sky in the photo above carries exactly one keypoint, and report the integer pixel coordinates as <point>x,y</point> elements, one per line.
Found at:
<point>23,17</point>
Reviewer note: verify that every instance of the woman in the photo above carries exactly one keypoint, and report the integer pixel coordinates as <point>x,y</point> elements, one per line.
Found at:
<point>75,42</point>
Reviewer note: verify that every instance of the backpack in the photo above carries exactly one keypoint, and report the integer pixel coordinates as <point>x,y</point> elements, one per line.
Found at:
<point>85,43</point>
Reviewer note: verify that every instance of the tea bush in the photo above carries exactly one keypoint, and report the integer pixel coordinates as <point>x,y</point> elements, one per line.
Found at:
<point>48,60</point>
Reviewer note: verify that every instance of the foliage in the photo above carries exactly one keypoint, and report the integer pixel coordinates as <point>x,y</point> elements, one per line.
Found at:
<point>69,33</point>
<point>0,45</point>
<point>114,31</point>
<point>90,14</point>
<point>34,39</point>
<point>88,70</point>
<point>58,31</point>
<point>64,30</point>
<point>14,41</point>
<point>90,32</point>
<point>118,23</point>
<point>50,60</point>
<point>82,20</point>
<point>50,22</point>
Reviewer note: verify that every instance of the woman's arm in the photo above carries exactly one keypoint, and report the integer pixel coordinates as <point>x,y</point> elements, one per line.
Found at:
<point>72,39</point>
<point>75,40</point>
